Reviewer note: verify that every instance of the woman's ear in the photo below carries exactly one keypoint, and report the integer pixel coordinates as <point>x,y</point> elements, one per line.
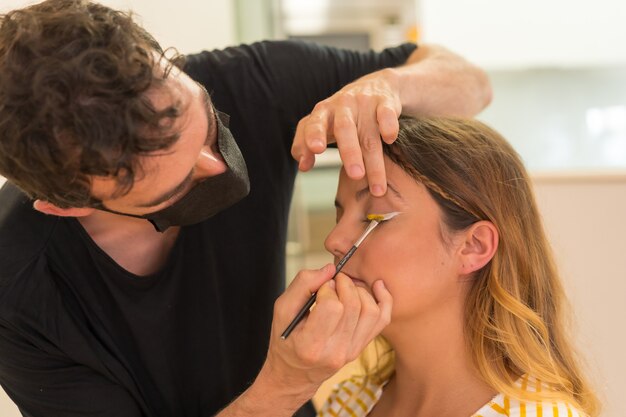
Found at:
<point>47,207</point>
<point>478,247</point>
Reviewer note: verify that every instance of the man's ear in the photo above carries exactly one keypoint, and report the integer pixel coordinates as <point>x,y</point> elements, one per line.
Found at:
<point>47,207</point>
<point>478,247</point>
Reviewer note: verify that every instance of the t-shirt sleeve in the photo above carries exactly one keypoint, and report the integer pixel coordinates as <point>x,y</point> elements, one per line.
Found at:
<point>304,73</point>
<point>289,76</point>
<point>47,385</point>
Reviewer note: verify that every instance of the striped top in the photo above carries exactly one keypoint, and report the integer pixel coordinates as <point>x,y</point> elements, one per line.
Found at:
<point>352,398</point>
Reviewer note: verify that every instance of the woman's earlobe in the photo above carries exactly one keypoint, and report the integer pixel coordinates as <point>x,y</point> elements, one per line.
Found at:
<point>47,207</point>
<point>479,246</point>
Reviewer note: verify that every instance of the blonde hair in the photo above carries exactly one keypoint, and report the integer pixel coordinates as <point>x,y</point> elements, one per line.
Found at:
<point>514,319</point>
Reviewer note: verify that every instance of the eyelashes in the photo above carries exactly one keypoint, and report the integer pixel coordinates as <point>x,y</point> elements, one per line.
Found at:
<point>367,217</point>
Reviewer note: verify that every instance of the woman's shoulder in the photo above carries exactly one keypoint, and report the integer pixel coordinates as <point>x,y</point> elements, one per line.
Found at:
<point>504,405</point>
<point>352,397</point>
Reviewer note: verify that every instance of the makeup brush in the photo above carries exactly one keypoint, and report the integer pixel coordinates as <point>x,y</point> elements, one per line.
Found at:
<point>376,219</point>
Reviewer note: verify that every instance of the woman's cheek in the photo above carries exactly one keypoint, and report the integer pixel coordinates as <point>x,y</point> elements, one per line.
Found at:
<point>381,249</point>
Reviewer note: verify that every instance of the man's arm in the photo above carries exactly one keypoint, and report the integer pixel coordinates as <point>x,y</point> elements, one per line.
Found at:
<point>433,82</point>
<point>437,82</point>
<point>268,398</point>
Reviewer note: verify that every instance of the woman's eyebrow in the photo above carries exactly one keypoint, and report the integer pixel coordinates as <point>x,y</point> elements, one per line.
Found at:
<point>364,192</point>
<point>359,195</point>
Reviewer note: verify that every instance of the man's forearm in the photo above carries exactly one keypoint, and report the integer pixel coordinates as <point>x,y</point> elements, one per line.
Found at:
<point>437,82</point>
<point>268,398</point>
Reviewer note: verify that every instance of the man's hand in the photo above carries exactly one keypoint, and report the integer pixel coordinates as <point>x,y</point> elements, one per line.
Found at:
<point>433,82</point>
<point>342,322</point>
<point>344,319</point>
<point>356,118</point>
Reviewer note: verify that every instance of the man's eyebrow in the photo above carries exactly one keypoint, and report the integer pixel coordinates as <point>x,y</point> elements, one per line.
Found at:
<point>171,193</point>
<point>364,192</point>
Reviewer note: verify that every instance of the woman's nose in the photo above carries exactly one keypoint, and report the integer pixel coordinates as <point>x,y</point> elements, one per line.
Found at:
<point>339,240</point>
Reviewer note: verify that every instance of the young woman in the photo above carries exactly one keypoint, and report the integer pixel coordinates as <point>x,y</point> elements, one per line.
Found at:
<point>477,325</point>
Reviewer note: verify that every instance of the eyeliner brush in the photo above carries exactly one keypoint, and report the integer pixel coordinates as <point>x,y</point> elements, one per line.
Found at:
<point>376,219</point>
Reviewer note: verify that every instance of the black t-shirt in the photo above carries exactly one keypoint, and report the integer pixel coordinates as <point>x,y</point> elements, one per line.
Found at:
<point>81,336</point>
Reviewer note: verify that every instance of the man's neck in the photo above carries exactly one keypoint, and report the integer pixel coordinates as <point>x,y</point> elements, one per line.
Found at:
<point>132,243</point>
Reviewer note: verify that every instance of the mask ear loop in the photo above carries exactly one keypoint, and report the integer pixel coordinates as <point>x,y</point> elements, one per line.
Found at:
<point>158,226</point>
<point>224,118</point>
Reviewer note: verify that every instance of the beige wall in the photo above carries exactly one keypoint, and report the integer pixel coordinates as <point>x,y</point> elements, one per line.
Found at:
<point>585,219</point>
<point>188,25</point>
<point>7,408</point>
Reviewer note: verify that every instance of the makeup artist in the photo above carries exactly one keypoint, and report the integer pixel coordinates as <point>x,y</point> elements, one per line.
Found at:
<point>142,230</point>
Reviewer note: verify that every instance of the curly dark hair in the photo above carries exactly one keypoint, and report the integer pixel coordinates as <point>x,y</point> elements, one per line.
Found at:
<point>73,77</point>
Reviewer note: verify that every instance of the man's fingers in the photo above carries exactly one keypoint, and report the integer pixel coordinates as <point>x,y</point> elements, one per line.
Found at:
<point>368,326</point>
<point>345,131</point>
<point>303,285</point>
<point>385,305</point>
<point>372,149</point>
<point>316,130</point>
<point>299,150</point>
<point>349,297</point>
<point>325,315</point>
<point>388,124</point>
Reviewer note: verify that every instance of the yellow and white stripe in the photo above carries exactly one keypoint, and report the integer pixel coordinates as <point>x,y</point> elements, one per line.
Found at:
<point>352,398</point>
<point>356,397</point>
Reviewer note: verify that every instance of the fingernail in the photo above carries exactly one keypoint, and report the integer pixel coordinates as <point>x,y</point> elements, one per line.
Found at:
<point>377,190</point>
<point>317,143</point>
<point>355,171</point>
<point>331,284</point>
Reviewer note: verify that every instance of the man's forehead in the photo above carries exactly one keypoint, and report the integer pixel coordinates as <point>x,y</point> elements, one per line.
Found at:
<point>169,91</point>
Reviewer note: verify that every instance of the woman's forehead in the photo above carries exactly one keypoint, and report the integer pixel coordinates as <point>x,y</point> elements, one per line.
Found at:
<point>395,176</point>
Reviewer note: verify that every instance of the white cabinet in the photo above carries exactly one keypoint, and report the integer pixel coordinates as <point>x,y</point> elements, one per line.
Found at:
<point>188,25</point>
<point>532,33</point>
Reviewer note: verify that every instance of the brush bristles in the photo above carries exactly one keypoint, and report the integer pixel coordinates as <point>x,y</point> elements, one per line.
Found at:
<point>382,217</point>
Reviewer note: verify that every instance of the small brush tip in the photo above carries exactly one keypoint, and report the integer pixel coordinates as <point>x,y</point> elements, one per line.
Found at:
<point>391,215</point>
<point>382,217</point>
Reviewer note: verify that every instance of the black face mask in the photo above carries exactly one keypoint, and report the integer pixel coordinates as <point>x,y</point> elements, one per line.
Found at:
<point>210,196</point>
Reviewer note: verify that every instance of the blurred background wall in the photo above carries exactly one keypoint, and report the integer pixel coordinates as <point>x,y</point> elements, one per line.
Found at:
<point>558,70</point>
